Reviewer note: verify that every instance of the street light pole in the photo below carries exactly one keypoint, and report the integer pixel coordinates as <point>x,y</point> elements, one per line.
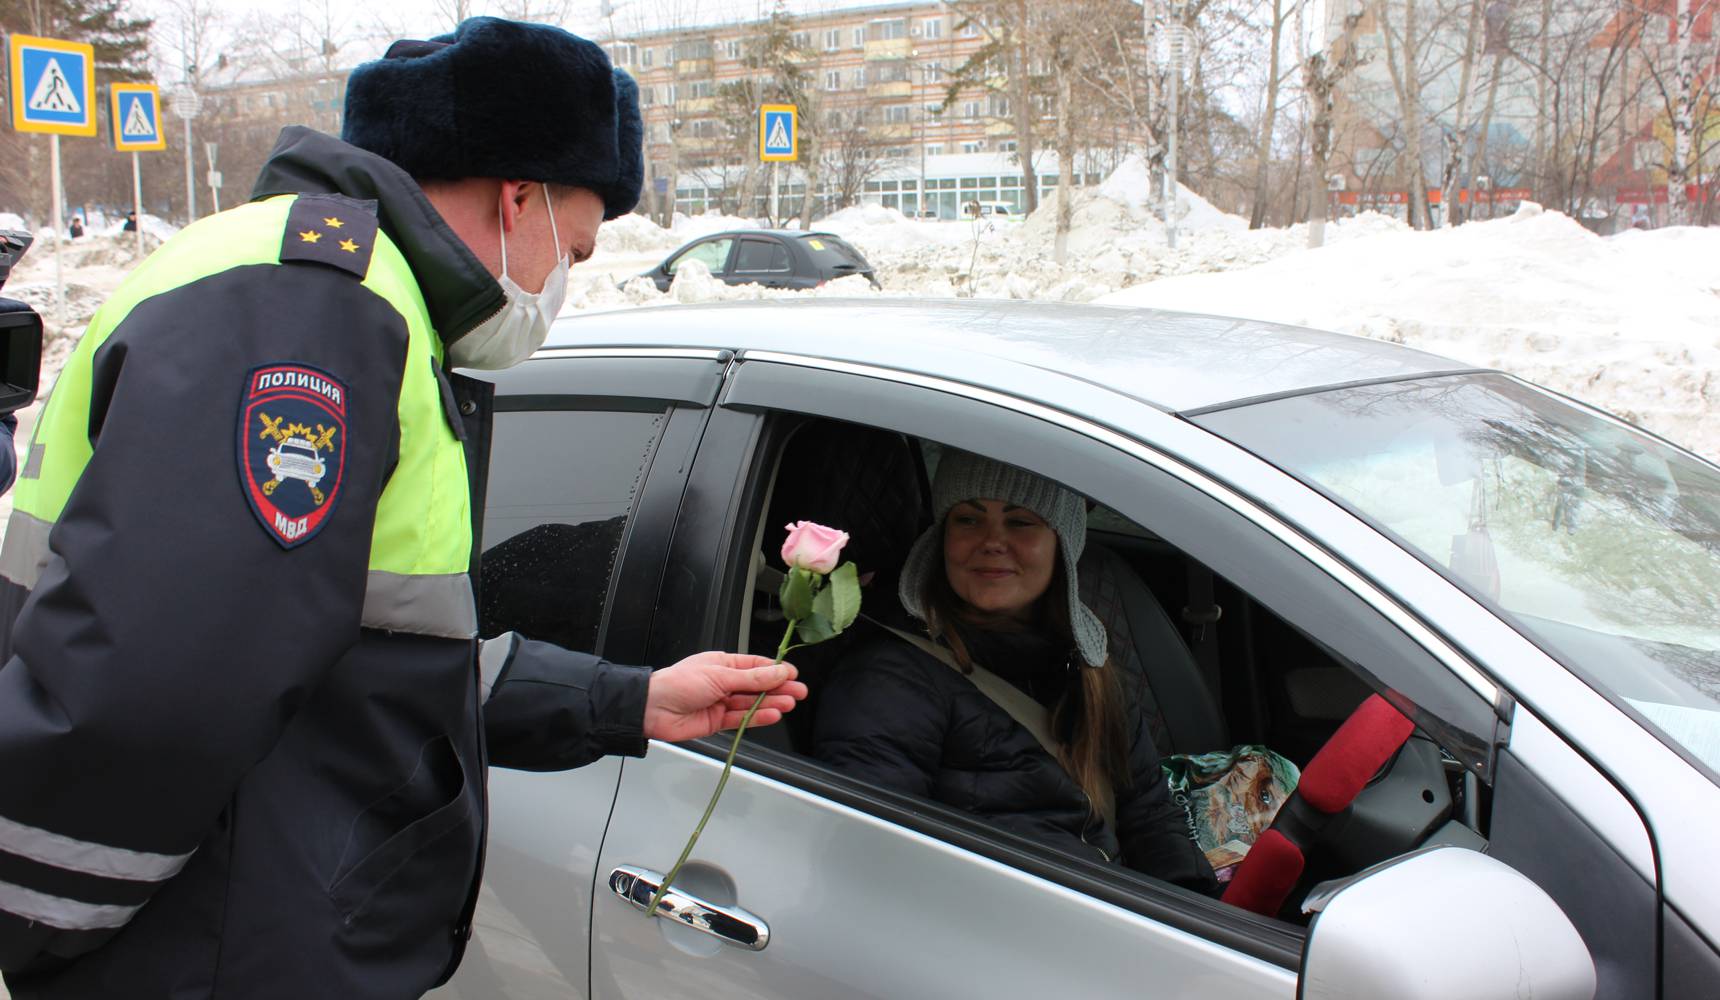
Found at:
<point>920,98</point>
<point>186,104</point>
<point>1178,41</point>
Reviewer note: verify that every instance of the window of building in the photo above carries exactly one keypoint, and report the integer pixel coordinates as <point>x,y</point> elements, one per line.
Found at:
<point>647,96</point>
<point>897,113</point>
<point>969,29</point>
<point>859,38</point>
<point>997,106</point>
<point>668,55</point>
<point>934,72</point>
<point>970,109</point>
<point>733,48</point>
<point>800,39</point>
<point>896,153</point>
<point>696,49</point>
<point>932,27</point>
<point>832,39</point>
<point>886,29</point>
<point>1008,147</point>
<point>859,76</point>
<point>622,53</point>
<point>646,57</point>
<point>699,88</point>
<point>972,147</point>
<point>832,79</point>
<point>890,71</point>
<point>935,149</point>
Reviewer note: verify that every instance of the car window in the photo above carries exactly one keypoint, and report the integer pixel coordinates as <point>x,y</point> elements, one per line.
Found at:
<point>761,255</point>
<point>832,255</point>
<point>562,486</point>
<point>714,254</point>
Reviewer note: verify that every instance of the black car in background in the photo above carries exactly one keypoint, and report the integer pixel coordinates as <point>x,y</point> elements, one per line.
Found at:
<point>775,258</point>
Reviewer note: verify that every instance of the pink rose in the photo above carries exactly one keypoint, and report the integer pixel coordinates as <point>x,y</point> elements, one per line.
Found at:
<point>813,546</point>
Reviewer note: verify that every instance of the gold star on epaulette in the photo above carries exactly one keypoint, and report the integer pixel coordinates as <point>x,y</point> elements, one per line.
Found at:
<point>333,223</point>
<point>310,236</point>
<point>349,246</point>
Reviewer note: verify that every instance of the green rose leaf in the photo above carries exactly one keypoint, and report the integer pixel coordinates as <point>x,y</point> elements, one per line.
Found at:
<point>796,594</point>
<point>844,588</point>
<point>814,628</point>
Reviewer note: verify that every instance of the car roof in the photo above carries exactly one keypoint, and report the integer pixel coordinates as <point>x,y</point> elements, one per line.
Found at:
<point>788,234</point>
<point>1172,361</point>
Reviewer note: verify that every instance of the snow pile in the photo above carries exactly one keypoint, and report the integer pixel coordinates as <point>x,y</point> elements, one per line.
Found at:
<point>635,234</point>
<point>1631,323</point>
<point>1123,210</point>
<point>691,227</point>
<point>13,221</point>
<point>878,231</point>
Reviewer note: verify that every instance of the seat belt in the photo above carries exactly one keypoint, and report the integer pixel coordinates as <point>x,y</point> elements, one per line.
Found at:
<point>1201,615</point>
<point>1034,717</point>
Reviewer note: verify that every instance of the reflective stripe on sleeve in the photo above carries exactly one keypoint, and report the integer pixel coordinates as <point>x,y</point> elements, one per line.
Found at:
<point>58,911</point>
<point>435,605</point>
<point>60,851</point>
<point>25,553</point>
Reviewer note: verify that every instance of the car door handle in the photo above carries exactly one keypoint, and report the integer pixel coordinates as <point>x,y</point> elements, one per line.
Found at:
<point>730,923</point>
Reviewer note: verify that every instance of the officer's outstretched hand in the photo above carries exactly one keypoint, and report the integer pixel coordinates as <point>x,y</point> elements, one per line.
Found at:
<point>709,692</point>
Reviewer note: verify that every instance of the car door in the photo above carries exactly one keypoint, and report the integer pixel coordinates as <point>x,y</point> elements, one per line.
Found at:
<point>859,892</point>
<point>588,462</point>
<point>761,260</point>
<point>713,252</point>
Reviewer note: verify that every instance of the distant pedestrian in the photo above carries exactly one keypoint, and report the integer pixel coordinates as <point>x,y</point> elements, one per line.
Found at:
<point>130,223</point>
<point>77,227</point>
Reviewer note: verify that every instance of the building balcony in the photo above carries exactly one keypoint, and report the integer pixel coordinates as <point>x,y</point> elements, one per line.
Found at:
<point>899,89</point>
<point>890,48</point>
<point>686,69</point>
<point>891,130</point>
<point>1000,127</point>
<point>696,105</point>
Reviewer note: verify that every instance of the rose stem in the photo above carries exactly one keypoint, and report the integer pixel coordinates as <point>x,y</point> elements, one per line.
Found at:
<point>728,765</point>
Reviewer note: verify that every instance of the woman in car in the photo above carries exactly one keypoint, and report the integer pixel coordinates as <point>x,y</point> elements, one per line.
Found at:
<point>994,583</point>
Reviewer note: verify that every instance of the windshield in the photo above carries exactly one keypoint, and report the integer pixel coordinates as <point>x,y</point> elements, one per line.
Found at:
<point>1595,539</point>
<point>832,254</point>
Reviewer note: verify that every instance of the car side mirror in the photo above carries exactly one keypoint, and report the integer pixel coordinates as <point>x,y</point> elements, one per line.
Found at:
<point>1441,923</point>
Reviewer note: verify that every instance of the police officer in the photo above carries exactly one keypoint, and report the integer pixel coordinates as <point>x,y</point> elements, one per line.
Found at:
<point>244,712</point>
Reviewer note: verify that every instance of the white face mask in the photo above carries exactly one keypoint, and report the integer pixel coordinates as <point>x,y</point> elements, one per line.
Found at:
<point>511,335</point>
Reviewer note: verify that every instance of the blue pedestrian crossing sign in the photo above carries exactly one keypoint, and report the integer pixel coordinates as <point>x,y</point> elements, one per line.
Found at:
<point>137,118</point>
<point>53,86</point>
<point>778,138</point>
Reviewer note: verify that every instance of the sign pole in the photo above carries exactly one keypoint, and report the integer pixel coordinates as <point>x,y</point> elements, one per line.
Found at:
<point>775,190</point>
<point>137,200</point>
<point>190,185</point>
<point>59,230</point>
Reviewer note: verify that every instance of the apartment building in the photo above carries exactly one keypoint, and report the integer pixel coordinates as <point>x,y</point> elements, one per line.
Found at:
<point>887,66</point>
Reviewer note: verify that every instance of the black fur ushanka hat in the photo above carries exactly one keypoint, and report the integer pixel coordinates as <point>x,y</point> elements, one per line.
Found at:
<point>502,99</point>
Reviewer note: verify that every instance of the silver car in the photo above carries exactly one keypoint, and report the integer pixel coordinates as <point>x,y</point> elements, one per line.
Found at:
<point>1292,521</point>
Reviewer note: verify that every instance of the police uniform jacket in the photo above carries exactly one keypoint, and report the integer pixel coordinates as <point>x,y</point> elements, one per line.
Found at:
<point>243,708</point>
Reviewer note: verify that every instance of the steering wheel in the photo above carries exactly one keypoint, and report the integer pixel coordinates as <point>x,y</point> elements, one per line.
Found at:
<point>1331,781</point>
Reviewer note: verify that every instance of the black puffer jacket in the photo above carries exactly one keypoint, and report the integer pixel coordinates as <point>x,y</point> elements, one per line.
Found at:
<point>893,715</point>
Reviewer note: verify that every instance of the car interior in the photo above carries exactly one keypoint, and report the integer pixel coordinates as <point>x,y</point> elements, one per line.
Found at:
<point>1215,668</point>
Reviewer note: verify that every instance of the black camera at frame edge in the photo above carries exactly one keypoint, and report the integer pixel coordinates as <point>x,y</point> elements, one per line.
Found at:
<point>20,334</point>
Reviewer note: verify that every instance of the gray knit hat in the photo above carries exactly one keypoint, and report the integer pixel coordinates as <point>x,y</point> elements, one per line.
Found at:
<point>963,476</point>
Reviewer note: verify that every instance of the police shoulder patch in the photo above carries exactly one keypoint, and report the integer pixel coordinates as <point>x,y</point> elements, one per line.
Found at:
<point>331,229</point>
<point>292,448</point>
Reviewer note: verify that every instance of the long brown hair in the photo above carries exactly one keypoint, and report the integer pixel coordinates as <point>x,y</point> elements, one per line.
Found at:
<point>1097,753</point>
